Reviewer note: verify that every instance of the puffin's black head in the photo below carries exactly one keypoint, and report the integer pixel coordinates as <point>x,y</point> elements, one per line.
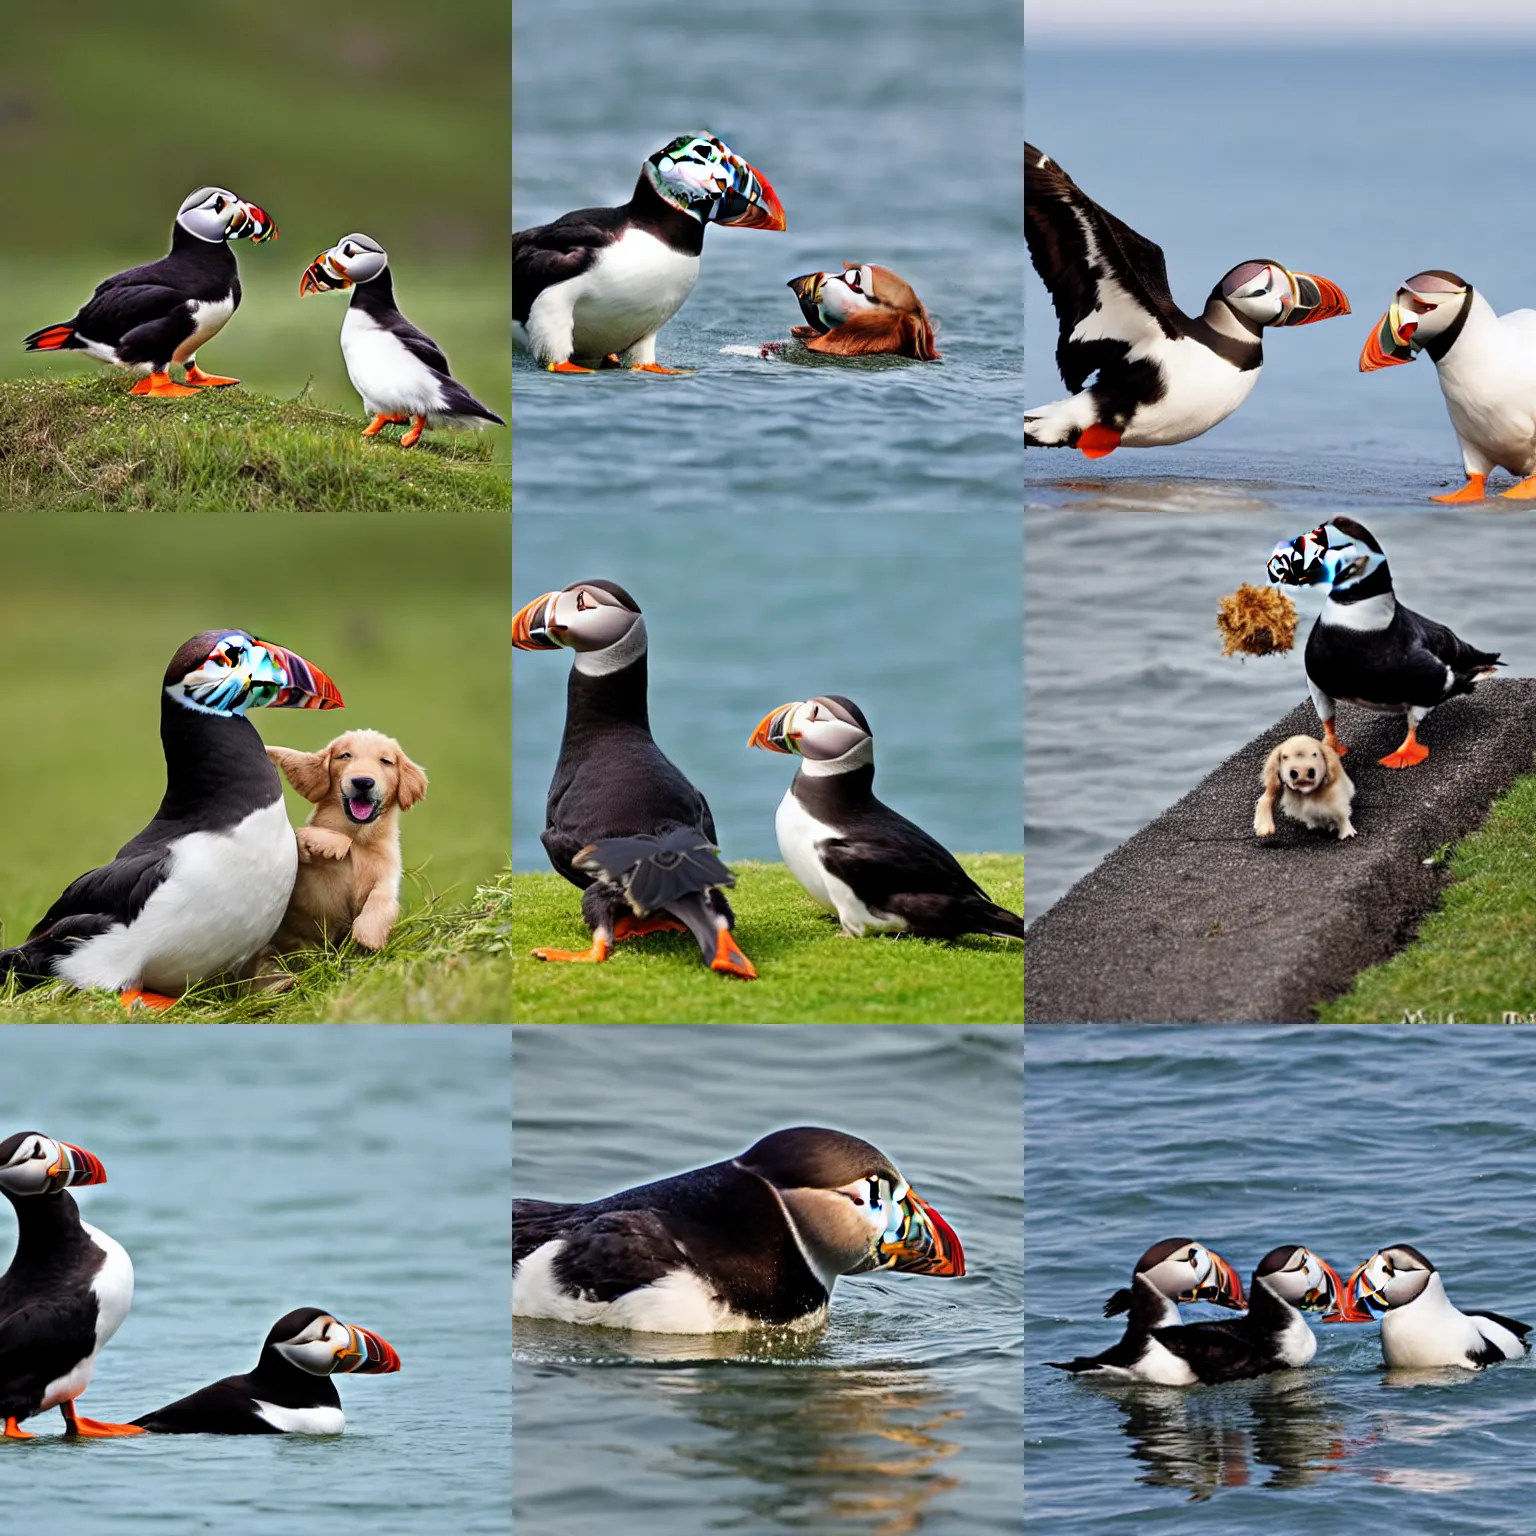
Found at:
<point>215,214</point>
<point>353,259</point>
<point>1264,293</point>
<point>1185,1270</point>
<point>585,616</point>
<point>1390,1278</point>
<point>317,1343</point>
<point>34,1164</point>
<point>1339,554</point>
<point>227,671</point>
<point>1297,1275</point>
<point>702,176</point>
<point>829,728</point>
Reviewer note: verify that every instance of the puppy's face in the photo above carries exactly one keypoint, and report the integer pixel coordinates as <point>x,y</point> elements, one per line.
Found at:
<point>365,774</point>
<point>1302,767</point>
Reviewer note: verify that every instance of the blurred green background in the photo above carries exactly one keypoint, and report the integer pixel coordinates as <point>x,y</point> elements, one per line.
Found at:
<point>392,119</point>
<point>407,615</point>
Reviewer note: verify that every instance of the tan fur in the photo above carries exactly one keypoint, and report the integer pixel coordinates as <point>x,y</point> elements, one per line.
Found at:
<point>349,875</point>
<point>898,324</point>
<point>1326,805</point>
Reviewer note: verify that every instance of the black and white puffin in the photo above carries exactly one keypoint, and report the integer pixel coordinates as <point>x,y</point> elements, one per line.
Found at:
<point>149,317</point>
<point>623,823</point>
<point>1366,648</point>
<point>853,854</point>
<point>1178,1269</point>
<point>290,1392</point>
<point>401,373</point>
<point>1487,368</point>
<point>595,286</point>
<point>1163,376</point>
<point>1420,1329</point>
<point>66,1293</point>
<point>205,884</point>
<point>860,311</point>
<point>756,1241</point>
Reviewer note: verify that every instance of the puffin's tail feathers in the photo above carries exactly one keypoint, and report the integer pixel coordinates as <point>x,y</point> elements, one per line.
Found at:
<point>28,963</point>
<point>461,406</point>
<point>33,963</point>
<point>52,338</point>
<point>1118,1303</point>
<point>657,872</point>
<point>1076,1367</point>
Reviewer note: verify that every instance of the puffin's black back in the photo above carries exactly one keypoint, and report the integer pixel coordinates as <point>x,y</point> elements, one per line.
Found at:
<point>1230,1349</point>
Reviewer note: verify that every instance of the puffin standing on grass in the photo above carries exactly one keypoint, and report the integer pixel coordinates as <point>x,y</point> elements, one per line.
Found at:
<point>1367,648</point>
<point>401,373</point>
<point>624,824</point>
<point>149,317</point>
<point>290,1392</point>
<point>1163,376</point>
<point>756,1241</point>
<point>855,856</point>
<point>594,287</point>
<point>860,311</point>
<point>204,886</point>
<point>66,1293</point>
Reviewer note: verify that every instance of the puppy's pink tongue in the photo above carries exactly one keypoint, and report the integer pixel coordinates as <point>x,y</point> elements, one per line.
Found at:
<point>361,809</point>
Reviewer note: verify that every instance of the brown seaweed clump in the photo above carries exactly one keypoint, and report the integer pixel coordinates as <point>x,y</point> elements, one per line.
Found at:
<point>1256,620</point>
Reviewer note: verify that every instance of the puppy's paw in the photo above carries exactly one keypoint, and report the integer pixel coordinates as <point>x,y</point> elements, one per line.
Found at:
<point>1347,830</point>
<point>321,843</point>
<point>372,931</point>
<point>1264,822</point>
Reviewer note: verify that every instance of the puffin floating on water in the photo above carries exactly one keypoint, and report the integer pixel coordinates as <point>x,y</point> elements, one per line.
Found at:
<point>1367,648</point>
<point>623,823</point>
<point>1162,376</point>
<point>401,373</point>
<point>755,1241</point>
<point>66,1293</point>
<point>149,317</point>
<point>1487,368</point>
<point>204,886</point>
<point>290,1392</point>
<point>593,288</point>
<point>854,855</point>
<point>861,311</point>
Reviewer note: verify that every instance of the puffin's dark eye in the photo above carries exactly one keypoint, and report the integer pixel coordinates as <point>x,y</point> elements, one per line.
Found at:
<point>582,604</point>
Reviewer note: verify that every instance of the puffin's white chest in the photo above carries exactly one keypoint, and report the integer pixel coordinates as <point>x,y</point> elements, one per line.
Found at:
<point>1488,379</point>
<point>799,834</point>
<point>390,377</point>
<point>1297,1344</point>
<point>1160,1366</point>
<point>222,899</point>
<point>1428,1332</point>
<point>209,317</point>
<point>1202,388</point>
<point>301,1421</point>
<point>633,288</point>
<point>112,1286</point>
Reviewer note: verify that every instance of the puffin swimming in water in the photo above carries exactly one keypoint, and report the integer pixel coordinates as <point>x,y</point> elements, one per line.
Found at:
<point>854,855</point>
<point>149,317</point>
<point>1367,648</point>
<point>755,1241</point>
<point>204,886</point>
<point>860,311</point>
<point>1487,368</point>
<point>401,373</point>
<point>1420,1329</point>
<point>66,1293</point>
<point>1163,376</point>
<point>623,823</point>
<point>1178,1269</point>
<point>593,288</point>
<point>290,1392</point>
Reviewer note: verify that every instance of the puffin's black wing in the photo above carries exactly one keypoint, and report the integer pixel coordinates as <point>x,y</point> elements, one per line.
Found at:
<point>656,871</point>
<point>607,1254</point>
<point>1219,1350</point>
<point>546,254</point>
<point>1446,648</point>
<point>1518,1329</point>
<point>1147,1310</point>
<point>457,401</point>
<point>1490,1353</point>
<point>418,343</point>
<point>1093,264</point>
<point>40,1342</point>
<point>225,1408</point>
<point>116,891</point>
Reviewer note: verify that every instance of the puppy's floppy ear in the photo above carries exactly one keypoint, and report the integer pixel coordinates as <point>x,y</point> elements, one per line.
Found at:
<point>1334,761</point>
<point>308,772</point>
<point>413,783</point>
<point>1272,773</point>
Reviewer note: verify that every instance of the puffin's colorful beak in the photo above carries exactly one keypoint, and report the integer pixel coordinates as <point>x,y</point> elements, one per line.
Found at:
<point>925,1243</point>
<point>532,625</point>
<point>749,201</point>
<point>1223,1286</point>
<point>1313,298</point>
<point>1344,1308</point>
<point>1390,343</point>
<point>305,685</point>
<point>366,1354</point>
<point>75,1166</point>
<point>1355,1298</point>
<point>251,223</point>
<point>808,287</point>
<point>772,733</point>
<point>324,275</point>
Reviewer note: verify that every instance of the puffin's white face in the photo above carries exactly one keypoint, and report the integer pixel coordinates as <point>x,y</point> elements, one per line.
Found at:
<point>1189,1271</point>
<point>215,214</point>
<point>326,1347</point>
<point>873,1223</point>
<point>582,617</point>
<point>1268,294</point>
<point>353,259</point>
<point>1426,307</point>
<point>1298,1276</point>
<point>1391,1278</point>
<point>820,730</point>
<point>846,293</point>
<point>34,1164</point>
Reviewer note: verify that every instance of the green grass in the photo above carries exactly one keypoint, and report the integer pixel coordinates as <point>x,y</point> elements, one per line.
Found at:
<point>808,973</point>
<point>1473,957</point>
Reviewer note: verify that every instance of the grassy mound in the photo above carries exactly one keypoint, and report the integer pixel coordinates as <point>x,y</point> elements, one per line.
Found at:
<point>808,972</point>
<point>1472,956</point>
<point>85,445</point>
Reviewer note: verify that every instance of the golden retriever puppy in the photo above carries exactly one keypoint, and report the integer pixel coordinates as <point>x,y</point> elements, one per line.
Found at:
<point>349,849</point>
<point>1309,778</point>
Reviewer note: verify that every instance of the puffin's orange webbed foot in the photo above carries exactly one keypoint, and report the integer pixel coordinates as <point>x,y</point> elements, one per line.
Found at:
<point>1524,491</point>
<point>1474,490</point>
<point>594,956</point>
<point>160,386</point>
<point>657,368</point>
<point>94,1429</point>
<point>729,959</point>
<point>378,424</point>
<point>158,1001</point>
<point>1097,442</point>
<point>566,367</point>
<point>1411,753</point>
<point>639,927</point>
<point>408,439</point>
<point>196,376</point>
<point>14,1431</point>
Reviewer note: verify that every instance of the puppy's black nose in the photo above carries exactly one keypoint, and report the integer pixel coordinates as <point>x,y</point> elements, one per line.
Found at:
<point>361,786</point>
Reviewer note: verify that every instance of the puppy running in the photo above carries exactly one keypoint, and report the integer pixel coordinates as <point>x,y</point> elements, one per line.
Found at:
<point>349,849</point>
<point>1309,778</point>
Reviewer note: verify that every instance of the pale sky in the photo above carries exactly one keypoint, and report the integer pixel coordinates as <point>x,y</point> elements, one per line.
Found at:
<point>1306,23</point>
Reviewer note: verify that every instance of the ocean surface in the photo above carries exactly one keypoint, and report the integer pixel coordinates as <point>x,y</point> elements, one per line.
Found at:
<point>251,1171</point>
<point>1335,162</point>
<point>903,1415</point>
<point>1345,1140</point>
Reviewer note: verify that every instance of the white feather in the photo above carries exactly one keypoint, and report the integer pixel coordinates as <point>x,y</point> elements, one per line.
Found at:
<point>301,1421</point>
<point>112,1286</point>
<point>799,836</point>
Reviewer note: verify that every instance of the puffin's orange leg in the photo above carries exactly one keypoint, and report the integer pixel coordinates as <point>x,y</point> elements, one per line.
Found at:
<point>158,1001</point>
<point>729,959</point>
<point>408,438</point>
<point>1332,739</point>
<point>657,368</point>
<point>1524,491</point>
<point>94,1429</point>
<point>1412,751</point>
<point>637,927</point>
<point>196,376</point>
<point>567,367</point>
<point>13,1431</point>
<point>377,425</point>
<point>161,386</point>
<point>594,956</point>
<point>1096,442</point>
<point>1474,490</point>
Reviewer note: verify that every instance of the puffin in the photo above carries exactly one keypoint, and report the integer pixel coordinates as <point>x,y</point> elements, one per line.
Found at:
<point>401,373</point>
<point>595,286</point>
<point>1163,376</point>
<point>756,1241</point>
<point>290,1392</point>
<point>1487,368</point>
<point>622,822</point>
<point>1367,648</point>
<point>1175,1270</point>
<point>203,887</point>
<point>1420,1328</point>
<point>854,855</point>
<point>861,310</point>
<point>149,317</point>
<point>66,1293</point>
